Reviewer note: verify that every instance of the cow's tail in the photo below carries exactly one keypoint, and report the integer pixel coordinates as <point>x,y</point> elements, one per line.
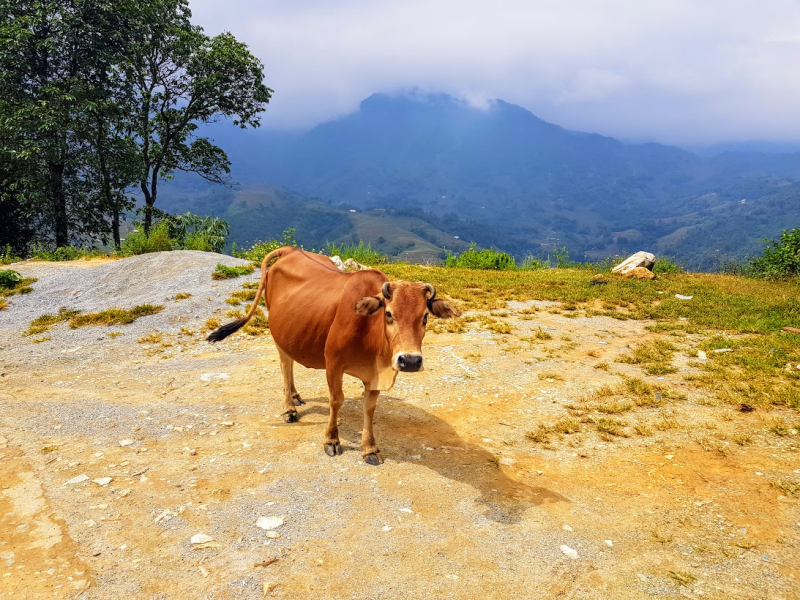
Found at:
<point>234,326</point>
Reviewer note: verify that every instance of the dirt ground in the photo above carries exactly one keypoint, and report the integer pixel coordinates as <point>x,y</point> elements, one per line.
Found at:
<point>465,505</point>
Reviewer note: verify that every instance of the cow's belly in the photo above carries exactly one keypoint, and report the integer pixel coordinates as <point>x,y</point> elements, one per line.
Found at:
<point>301,337</point>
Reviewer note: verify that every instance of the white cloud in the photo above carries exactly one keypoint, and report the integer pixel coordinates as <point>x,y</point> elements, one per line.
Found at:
<point>678,71</point>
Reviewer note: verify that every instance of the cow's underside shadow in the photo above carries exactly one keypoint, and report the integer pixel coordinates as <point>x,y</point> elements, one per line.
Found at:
<point>404,431</point>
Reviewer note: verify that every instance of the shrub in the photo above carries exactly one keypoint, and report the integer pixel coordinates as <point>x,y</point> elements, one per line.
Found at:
<point>193,232</point>
<point>361,253</point>
<point>259,250</point>
<point>9,278</point>
<point>531,263</point>
<point>782,259</point>
<point>138,242</point>
<point>487,259</point>
<point>666,266</point>
<point>63,253</point>
<point>7,256</point>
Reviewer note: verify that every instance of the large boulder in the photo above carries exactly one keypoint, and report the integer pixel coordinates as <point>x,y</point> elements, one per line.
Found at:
<point>640,259</point>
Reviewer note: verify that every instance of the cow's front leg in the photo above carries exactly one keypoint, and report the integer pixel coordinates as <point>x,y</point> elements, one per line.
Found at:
<point>332,445</point>
<point>370,452</point>
<point>289,392</point>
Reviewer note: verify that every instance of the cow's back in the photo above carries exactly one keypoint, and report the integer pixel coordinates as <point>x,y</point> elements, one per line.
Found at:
<point>304,291</point>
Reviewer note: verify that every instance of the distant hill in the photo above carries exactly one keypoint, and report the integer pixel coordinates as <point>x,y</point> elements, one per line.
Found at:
<point>505,178</point>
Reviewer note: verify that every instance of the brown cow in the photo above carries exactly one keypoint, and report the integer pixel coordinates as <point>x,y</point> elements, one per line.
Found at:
<point>355,323</point>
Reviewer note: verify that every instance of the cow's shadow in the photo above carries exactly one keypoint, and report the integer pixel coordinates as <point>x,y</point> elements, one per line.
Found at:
<point>407,433</point>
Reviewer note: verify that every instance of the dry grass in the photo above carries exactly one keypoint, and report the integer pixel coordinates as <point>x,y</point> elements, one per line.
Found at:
<point>44,322</point>
<point>182,296</point>
<point>114,316</point>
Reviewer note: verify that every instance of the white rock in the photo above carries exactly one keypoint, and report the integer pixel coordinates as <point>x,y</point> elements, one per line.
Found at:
<point>609,543</point>
<point>507,462</point>
<point>126,442</point>
<point>201,538</point>
<point>567,528</point>
<point>102,480</point>
<point>702,355</point>
<point>387,528</point>
<point>78,479</point>
<point>722,350</point>
<point>573,554</point>
<point>211,376</point>
<point>273,535</point>
<point>338,262</point>
<point>407,510</point>
<point>640,259</point>
<point>269,522</point>
<point>682,297</point>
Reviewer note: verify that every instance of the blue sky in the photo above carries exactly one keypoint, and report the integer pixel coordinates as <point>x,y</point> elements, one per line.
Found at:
<point>687,72</point>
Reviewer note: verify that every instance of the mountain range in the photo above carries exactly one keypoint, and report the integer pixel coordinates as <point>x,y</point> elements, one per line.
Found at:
<point>414,173</point>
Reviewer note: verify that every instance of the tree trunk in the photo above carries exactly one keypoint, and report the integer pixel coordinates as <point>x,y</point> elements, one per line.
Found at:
<point>115,228</point>
<point>59,199</point>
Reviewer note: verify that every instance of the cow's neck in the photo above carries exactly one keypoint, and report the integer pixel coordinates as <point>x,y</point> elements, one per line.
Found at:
<point>384,373</point>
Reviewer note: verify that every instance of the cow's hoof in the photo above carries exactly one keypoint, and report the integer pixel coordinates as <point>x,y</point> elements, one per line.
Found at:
<point>373,459</point>
<point>298,401</point>
<point>291,416</point>
<point>333,449</point>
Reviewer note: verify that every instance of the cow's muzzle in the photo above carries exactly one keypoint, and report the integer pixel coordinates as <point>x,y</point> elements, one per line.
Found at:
<point>410,363</point>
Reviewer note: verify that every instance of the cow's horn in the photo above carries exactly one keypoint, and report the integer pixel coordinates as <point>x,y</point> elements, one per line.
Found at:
<point>385,289</point>
<point>432,290</point>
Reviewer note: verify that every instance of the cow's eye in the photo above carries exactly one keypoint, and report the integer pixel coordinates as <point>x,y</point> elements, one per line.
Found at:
<point>425,319</point>
<point>389,316</point>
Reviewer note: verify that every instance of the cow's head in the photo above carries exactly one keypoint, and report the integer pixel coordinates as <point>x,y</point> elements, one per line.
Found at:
<point>406,308</point>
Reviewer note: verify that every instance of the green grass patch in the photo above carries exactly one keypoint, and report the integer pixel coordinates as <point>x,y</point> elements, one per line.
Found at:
<point>44,322</point>
<point>223,272</point>
<point>112,316</point>
<point>12,283</point>
<point>360,253</point>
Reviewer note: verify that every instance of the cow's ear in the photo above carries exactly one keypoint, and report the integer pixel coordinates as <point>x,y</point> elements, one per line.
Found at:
<point>443,309</point>
<point>369,305</point>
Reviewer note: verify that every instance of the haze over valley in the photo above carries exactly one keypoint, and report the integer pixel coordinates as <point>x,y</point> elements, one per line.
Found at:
<point>415,173</point>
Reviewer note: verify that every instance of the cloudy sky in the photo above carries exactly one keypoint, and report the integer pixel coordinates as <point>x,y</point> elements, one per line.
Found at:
<point>684,72</point>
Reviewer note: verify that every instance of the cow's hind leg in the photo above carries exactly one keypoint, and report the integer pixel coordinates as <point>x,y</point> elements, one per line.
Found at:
<point>289,391</point>
<point>332,445</point>
<point>370,452</point>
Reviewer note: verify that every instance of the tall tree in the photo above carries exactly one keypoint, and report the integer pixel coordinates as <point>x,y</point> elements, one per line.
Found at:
<point>182,78</point>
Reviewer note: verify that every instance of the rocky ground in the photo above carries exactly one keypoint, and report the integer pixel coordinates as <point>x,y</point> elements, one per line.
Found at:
<point>116,453</point>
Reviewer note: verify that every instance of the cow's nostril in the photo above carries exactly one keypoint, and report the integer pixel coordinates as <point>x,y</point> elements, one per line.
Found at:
<point>409,362</point>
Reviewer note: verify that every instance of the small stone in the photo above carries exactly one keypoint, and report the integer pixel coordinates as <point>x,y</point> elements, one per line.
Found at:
<point>126,442</point>
<point>227,423</point>
<point>102,480</point>
<point>78,479</point>
<point>407,510</point>
<point>124,493</point>
<point>721,350</point>
<point>273,535</point>
<point>203,571</point>
<point>567,528</point>
<point>89,523</point>
<point>387,528</point>
<point>682,297</point>
<point>269,522</point>
<point>201,538</point>
<point>669,456</point>
<point>702,355</point>
<point>609,543</point>
<point>573,554</point>
<point>507,462</point>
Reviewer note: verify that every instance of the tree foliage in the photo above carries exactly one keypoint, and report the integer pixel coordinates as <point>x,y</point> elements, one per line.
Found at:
<point>99,95</point>
<point>781,259</point>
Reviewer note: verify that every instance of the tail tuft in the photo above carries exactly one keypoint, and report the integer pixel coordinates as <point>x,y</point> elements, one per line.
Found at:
<point>226,330</point>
